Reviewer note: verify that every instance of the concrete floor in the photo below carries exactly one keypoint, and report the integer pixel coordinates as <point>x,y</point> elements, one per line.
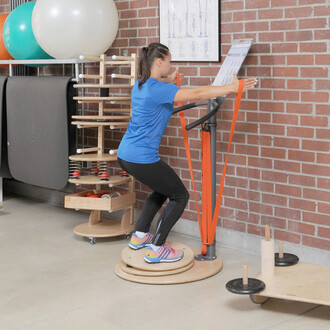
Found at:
<point>52,279</point>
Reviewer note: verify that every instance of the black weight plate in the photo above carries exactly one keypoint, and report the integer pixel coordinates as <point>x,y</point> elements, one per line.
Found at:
<point>254,286</point>
<point>287,260</point>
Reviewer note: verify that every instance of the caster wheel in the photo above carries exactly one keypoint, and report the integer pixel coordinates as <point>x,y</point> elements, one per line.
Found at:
<point>128,236</point>
<point>92,240</point>
<point>258,300</point>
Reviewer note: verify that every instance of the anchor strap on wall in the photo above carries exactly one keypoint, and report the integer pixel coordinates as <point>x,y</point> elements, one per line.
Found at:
<point>207,223</point>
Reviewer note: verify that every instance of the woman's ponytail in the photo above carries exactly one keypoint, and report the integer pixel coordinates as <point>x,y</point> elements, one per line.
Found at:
<point>147,58</point>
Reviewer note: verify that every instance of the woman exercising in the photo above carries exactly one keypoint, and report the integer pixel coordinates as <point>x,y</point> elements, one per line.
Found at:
<point>152,105</point>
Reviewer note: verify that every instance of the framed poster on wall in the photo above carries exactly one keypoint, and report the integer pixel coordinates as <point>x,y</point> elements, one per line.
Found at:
<point>191,29</point>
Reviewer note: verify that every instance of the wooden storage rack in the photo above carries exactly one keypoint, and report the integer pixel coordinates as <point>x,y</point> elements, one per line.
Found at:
<point>113,118</point>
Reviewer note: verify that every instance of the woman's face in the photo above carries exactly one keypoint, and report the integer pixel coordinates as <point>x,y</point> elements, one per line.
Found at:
<point>166,66</point>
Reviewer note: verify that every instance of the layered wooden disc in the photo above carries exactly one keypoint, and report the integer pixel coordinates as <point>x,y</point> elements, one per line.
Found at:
<point>133,268</point>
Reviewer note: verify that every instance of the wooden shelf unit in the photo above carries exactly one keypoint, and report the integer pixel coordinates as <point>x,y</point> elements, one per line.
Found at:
<point>96,227</point>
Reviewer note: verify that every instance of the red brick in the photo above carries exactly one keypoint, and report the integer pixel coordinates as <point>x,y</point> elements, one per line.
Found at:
<point>273,83</point>
<point>235,225</point>
<point>317,194</point>
<point>285,119</point>
<point>322,59</point>
<point>300,59</point>
<point>248,195</point>
<point>324,232</point>
<point>300,132</point>
<point>270,13</point>
<point>272,60</point>
<point>286,236</point>
<point>235,203</point>
<point>302,228</point>
<point>272,106</point>
<point>323,183</point>
<point>286,142</point>
<point>149,12</point>
<point>247,217</point>
<point>324,208</point>
<point>288,190</point>
<point>302,180</point>
<point>323,158</point>
<point>248,172</point>
<point>287,213</point>
<point>315,169</point>
<point>251,4</point>
<point>300,84</point>
<point>288,166</point>
<point>322,133</point>
<point>312,23</point>
<point>260,48</point>
<point>286,95</point>
<point>298,12</point>
<point>299,36</point>
<point>244,16</point>
<point>259,94</point>
<point>272,36</point>
<point>262,186</point>
<point>316,145</point>
<point>247,150</point>
<point>283,25</point>
<point>316,242</point>
<point>273,222</point>
<point>322,219</point>
<point>259,162</point>
<point>283,3</point>
<point>256,26</point>
<point>272,129</point>
<point>322,34</point>
<point>314,72</point>
<point>232,5</point>
<point>261,208</point>
<point>314,121</point>
<point>258,117</point>
<point>274,176</point>
<point>139,3</point>
<point>302,204</point>
<point>321,11</point>
<point>301,156</point>
<point>273,153</point>
<point>323,84</point>
<point>313,47</point>
<point>260,140</point>
<point>315,96</point>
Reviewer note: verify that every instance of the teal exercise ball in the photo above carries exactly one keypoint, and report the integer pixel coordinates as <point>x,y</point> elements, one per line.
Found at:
<point>18,35</point>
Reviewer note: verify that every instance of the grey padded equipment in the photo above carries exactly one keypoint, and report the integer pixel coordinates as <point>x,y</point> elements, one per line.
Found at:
<point>4,169</point>
<point>39,133</point>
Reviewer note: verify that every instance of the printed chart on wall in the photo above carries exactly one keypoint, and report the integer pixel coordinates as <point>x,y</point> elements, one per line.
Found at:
<point>190,29</point>
<point>233,61</point>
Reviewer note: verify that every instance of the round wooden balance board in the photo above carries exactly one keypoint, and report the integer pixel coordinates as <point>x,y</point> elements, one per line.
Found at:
<point>132,267</point>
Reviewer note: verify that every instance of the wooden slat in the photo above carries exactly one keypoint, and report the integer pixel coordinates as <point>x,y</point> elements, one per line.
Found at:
<point>97,124</point>
<point>94,158</point>
<point>102,86</point>
<point>102,98</point>
<point>118,117</point>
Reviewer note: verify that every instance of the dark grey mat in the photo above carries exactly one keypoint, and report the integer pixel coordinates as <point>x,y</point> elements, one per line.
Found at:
<point>38,112</point>
<point>4,169</point>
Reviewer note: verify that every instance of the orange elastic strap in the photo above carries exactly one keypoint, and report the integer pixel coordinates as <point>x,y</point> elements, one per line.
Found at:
<point>207,225</point>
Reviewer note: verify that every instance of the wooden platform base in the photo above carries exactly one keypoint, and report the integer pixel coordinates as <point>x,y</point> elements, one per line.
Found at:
<point>301,282</point>
<point>109,228</point>
<point>133,268</point>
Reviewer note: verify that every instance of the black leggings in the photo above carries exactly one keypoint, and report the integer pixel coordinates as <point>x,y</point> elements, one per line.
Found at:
<point>165,184</point>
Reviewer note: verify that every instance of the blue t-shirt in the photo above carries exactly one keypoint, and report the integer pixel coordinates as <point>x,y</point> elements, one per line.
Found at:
<point>152,106</point>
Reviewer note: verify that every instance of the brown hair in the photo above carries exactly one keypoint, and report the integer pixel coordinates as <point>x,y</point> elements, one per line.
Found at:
<point>147,58</point>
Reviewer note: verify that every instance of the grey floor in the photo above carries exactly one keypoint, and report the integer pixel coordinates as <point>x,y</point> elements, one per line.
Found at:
<point>52,279</point>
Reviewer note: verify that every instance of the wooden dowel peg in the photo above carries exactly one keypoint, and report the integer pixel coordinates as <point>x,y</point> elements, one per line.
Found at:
<point>116,75</point>
<point>280,251</point>
<point>81,151</point>
<point>267,233</point>
<point>245,275</point>
<point>90,58</point>
<point>89,76</point>
<point>125,58</point>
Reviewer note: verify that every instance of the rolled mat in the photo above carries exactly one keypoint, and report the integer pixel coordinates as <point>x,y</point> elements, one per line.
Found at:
<point>39,134</point>
<point>4,169</point>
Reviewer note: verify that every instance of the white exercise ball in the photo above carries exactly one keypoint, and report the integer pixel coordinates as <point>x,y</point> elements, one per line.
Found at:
<point>70,28</point>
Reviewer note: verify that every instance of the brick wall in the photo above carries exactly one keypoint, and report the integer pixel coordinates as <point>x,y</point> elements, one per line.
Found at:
<point>279,166</point>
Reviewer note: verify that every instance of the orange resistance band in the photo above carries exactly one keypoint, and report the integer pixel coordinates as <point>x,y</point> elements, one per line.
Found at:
<point>207,224</point>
